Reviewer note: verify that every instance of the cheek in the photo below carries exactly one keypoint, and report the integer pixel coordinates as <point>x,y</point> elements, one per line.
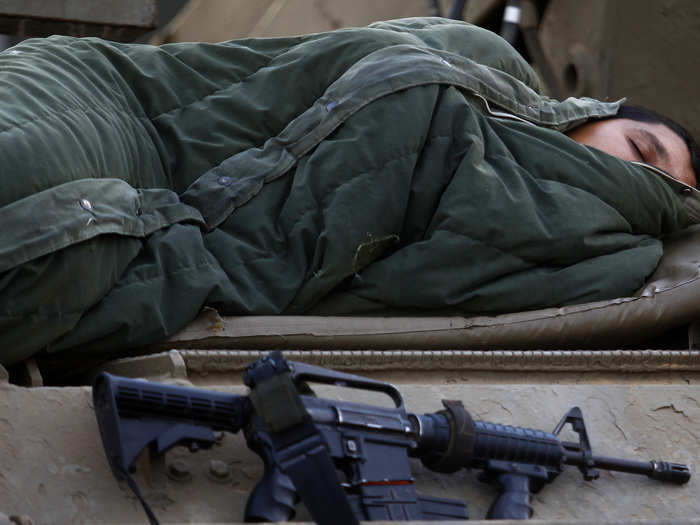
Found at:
<point>678,163</point>
<point>604,136</point>
<point>688,176</point>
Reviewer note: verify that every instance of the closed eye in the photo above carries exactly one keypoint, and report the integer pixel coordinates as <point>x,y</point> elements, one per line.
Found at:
<point>635,149</point>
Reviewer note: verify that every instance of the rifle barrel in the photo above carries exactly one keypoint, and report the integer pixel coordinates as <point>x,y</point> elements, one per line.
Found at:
<point>658,470</point>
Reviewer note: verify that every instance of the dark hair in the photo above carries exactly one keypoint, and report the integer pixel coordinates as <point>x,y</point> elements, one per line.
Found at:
<point>642,114</point>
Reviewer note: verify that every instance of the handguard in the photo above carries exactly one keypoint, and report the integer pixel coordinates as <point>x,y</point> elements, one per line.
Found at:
<point>519,461</point>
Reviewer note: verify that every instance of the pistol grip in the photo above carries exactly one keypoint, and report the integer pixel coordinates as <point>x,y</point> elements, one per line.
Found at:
<point>513,502</point>
<point>273,498</point>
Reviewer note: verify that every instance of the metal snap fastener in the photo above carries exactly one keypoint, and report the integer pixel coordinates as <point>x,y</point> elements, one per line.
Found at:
<point>225,181</point>
<point>85,204</point>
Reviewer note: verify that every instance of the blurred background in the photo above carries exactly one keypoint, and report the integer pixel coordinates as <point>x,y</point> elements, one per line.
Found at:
<point>645,50</point>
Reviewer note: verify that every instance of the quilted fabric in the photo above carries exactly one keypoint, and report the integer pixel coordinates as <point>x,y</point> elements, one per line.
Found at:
<point>410,167</point>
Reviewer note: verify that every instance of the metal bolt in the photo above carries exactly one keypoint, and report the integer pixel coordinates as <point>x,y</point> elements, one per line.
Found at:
<point>20,520</point>
<point>352,446</point>
<point>178,470</point>
<point>219,469</point>
<point>85,204</point>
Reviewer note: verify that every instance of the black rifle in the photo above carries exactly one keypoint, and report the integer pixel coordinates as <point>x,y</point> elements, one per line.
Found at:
<point>305,441</point>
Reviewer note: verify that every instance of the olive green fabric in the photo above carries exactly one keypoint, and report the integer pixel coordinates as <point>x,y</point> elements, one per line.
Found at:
<point>409,167</point>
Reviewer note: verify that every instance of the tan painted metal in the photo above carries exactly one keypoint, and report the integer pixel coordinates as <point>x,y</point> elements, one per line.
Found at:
<point>218,20</point>
<point>646,50</point>
<point>124,20</point>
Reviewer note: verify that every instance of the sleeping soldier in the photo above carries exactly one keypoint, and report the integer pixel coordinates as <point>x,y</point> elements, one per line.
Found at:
<point>412,167</point>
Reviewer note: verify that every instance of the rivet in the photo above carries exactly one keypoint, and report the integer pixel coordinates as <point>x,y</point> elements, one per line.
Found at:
<point>20,520</point>
<point>85,204</point>
<point>219,469</point>
<point>225,181</point>
<point>352,446</point>
<point>178,470</point>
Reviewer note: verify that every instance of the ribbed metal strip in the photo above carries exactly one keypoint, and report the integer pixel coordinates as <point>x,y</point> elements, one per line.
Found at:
<point>500,360</point>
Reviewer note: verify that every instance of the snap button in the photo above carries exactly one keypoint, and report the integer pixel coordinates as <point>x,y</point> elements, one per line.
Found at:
<point>225,181</point>
<point>85,204</point>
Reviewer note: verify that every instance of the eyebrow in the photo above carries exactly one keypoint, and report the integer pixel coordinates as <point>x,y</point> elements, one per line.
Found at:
<point>658,147</point>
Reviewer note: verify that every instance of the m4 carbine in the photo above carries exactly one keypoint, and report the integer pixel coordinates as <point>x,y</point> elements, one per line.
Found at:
<point>306,441</point>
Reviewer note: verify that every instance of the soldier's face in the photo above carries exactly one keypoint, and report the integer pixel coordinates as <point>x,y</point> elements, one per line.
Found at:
<point>654,144</point>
